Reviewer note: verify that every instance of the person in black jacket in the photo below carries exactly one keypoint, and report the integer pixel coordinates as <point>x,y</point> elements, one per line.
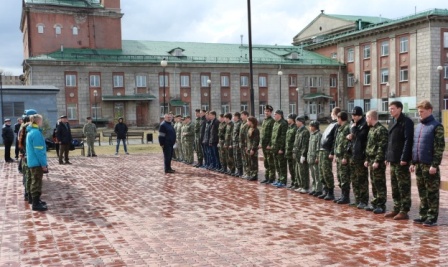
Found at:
<point>167,139</point>
<point>213,141</point>
<point>8,139</point>
<point>64,137</point>
<point>399,156</point>
<point>121,129</point>
<point>16,132</point>
<point>359,175</point>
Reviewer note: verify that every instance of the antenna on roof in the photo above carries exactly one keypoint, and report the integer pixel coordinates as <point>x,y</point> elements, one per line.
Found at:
<point>322,11</point>
<point>241,36</point>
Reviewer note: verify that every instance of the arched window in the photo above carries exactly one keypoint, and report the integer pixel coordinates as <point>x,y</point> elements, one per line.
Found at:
<point>40,28</point>
<point>58,29</point>
<point>75,30</point>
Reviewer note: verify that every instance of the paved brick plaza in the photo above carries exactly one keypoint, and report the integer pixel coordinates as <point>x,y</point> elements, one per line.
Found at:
<point>124,211</point>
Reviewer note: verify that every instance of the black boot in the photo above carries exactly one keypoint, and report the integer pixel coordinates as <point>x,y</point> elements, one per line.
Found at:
<point>266,180</point>
<point>30,199</point>
<point>345,197</point>
<point>38,206</point>
<point>240,172</point>
<point>324,193</point>
<point>330,195</point>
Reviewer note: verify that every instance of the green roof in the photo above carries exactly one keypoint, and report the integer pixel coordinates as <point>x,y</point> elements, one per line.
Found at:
<point>67,3</point>
<point>316,95</point>
<point>136,97</point>
<point>195,53</point>
<point>369,19</point>
<point>177,103</point>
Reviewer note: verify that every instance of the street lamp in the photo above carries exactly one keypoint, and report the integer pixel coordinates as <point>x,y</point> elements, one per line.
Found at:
<point>95,94</point>
<point>280,73</point>
<point>164,63</point>
<point>209,82</point>
<point>298,95</point>
<point>441,95</point>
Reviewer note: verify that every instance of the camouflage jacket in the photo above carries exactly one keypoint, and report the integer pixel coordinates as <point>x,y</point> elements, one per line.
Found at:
<point>236,133</point>
<point>341,146</point>
<point>253,139</point>
<point>222,131</point>
<point>89,130</point>
<point>188,132</point>
<point>228,134</point>
<point>266,132</point>
<point>290,138</point>
<point>178,129</point>
<point>197,128</point>
<point>376,143</point>
<point>278,138</point>
<point>301,143</point>
<point>243,134</point>
<point>313,147</point>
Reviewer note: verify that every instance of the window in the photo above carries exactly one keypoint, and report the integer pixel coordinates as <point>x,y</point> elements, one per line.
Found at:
<point>314,81</point>
<point>446,72</point>
<point>72,111</point>
<point>205,106</point>
<point>445,39</point>
<point>350,105</point>
<point>404,43</point>
<point>292,108</point>
<point>70,80</point>
<point>385,104</point>
<point>178,110</point>
<point>334,55</point>
<point>95,80</point>
<point>292,80</point>
<point>312,107</point>
<point>262,106</point>
<point>350,55</point>
<point>58,29</point>
<point>164,110</point>
<point>366,77</point>
<point>350,80</point>
<point>225,108</point>
<point>118,80</point>
<point>96,111</point>
<point>140,81</point>
<point>385,48</point>
<point>225,81</point>
<point>184,81</point>
<point>118,109</point>
<point>403,74</point>
<point>244,81</point>
<point>40,28</point>
<point>366,105</point>
<point>204,79</point>
<point>367,51</point>
<point>262,81</point>
<point>244,106</point>
<point>333,81</point>
<point>384,75</point>
<point>186,110</point>
<point>75,30</point>
<point>332,105</point>
<point>13,109</point>
<point>163,79</point>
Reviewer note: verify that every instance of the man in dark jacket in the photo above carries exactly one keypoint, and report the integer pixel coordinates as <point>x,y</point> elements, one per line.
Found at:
<point>8,139</point>
<point>167,139</point>
<point>359,175</point>
<point>64,135</point>
<point>213,141</point>
<point>16,132</point>
<point>121,129</point>
<point>399,156</point>
<point>205,134</point>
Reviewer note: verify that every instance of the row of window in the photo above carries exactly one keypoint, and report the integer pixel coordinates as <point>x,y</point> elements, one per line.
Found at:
<point>384,49</point>
<point>404,76</point>
<point>57,29</point>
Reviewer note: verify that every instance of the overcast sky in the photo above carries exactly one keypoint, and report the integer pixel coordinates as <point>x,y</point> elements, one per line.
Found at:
<point>214,21</point>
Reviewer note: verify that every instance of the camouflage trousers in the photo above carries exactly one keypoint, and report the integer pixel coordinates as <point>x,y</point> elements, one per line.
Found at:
<point>428,190</point>
<point>198,149</point>
<point>187,151</point>
<point>90,145</point>
<point>244,160</point>
<point>269,164</point>
<point>303,175</point>
<point>26,176</point>
<point>326,169</point>
<point>228,153</point>
<point>36,181</point>
<point>400,179</point>
<point>237,158</point>
<point>379,189</point>
<point>359,177</point>
<point>292,170</point>
<point>222,154</point>
<point>343,174</point>
<point>280,166</point>
<point>316,183</point>
<point>178,150</point>
<point>253,164</point>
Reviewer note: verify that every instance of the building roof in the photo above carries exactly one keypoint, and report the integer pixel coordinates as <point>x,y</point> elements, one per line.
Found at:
<point>19,88</point>
<point>136,97</point>
<point>134,51</point>
<point>354,18</point>
<point>67,3</point>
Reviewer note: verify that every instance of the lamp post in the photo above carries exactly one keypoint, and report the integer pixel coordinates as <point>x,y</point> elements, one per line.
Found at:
<point>95,94</point>
<point>441,95</point>
<point>298,95</point>
<point>1,94</point>
<point>280,73</point>
<point>209,82</point>
<point>164,63</point>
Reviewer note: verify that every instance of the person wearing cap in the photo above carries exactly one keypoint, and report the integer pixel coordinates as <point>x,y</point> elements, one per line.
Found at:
<point>277,147</point>
<point>167,139</point>
<point>341,146</point>
<point>178,156</point>
<point>313,158</point>
<point>64,135</point>
<point>213,141</point>
<point>121,129</point>
<point>205,144</point>
<point>16,133</point>
<point>375,161</point>
<point>266,135</point>
<point>197,137</point>
<point>253,140</point>
<point>228,143</point>
<point>89,130</point>
<point>300,152</point>
<point>289,145</point>
<point>222,137</point>
<point>8,139</point>
<point>326,155</point>
<point>187,140</point>
<point>236,145</point>
<point>359,175</point>
<point>244,139</point>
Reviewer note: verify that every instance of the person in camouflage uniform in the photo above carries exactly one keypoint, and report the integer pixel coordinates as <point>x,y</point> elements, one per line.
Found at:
<point>243,143</point>
<point>399,156</point>
<point>300,152</point>
<point>89,130</point>
<point>178,147</point>
<point>326,155</point>
<point>427,154</point>
<point>266,134</point>
<point>236,145</point>
<point>359,175</point>
<point>188,140</point>
<point>253,141</point>
<point>228,144</point>
<point>289,145</point>
<point>375,161</point>
<point>200,118</point>
<point>221,148</point>
<point>277,147</point>
<point>313,158</point>
<point>342,158</point>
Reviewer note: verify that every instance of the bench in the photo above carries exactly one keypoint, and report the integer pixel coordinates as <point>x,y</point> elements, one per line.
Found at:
<point>80,137</point>
<point>129,135</point>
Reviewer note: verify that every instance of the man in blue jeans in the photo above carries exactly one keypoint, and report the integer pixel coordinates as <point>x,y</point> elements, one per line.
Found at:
<point>121,129</point>
<point>167,138</point>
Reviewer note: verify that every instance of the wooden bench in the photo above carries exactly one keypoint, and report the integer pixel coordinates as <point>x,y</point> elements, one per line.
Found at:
<point>129,135</point>
<point>80,137</point>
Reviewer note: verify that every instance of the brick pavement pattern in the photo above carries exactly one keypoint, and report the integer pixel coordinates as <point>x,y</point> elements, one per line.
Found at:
<point>124,211</point>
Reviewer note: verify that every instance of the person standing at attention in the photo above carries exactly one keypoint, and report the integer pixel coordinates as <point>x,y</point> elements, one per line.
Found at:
<point>121,129</point>
<point>89,131</point>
